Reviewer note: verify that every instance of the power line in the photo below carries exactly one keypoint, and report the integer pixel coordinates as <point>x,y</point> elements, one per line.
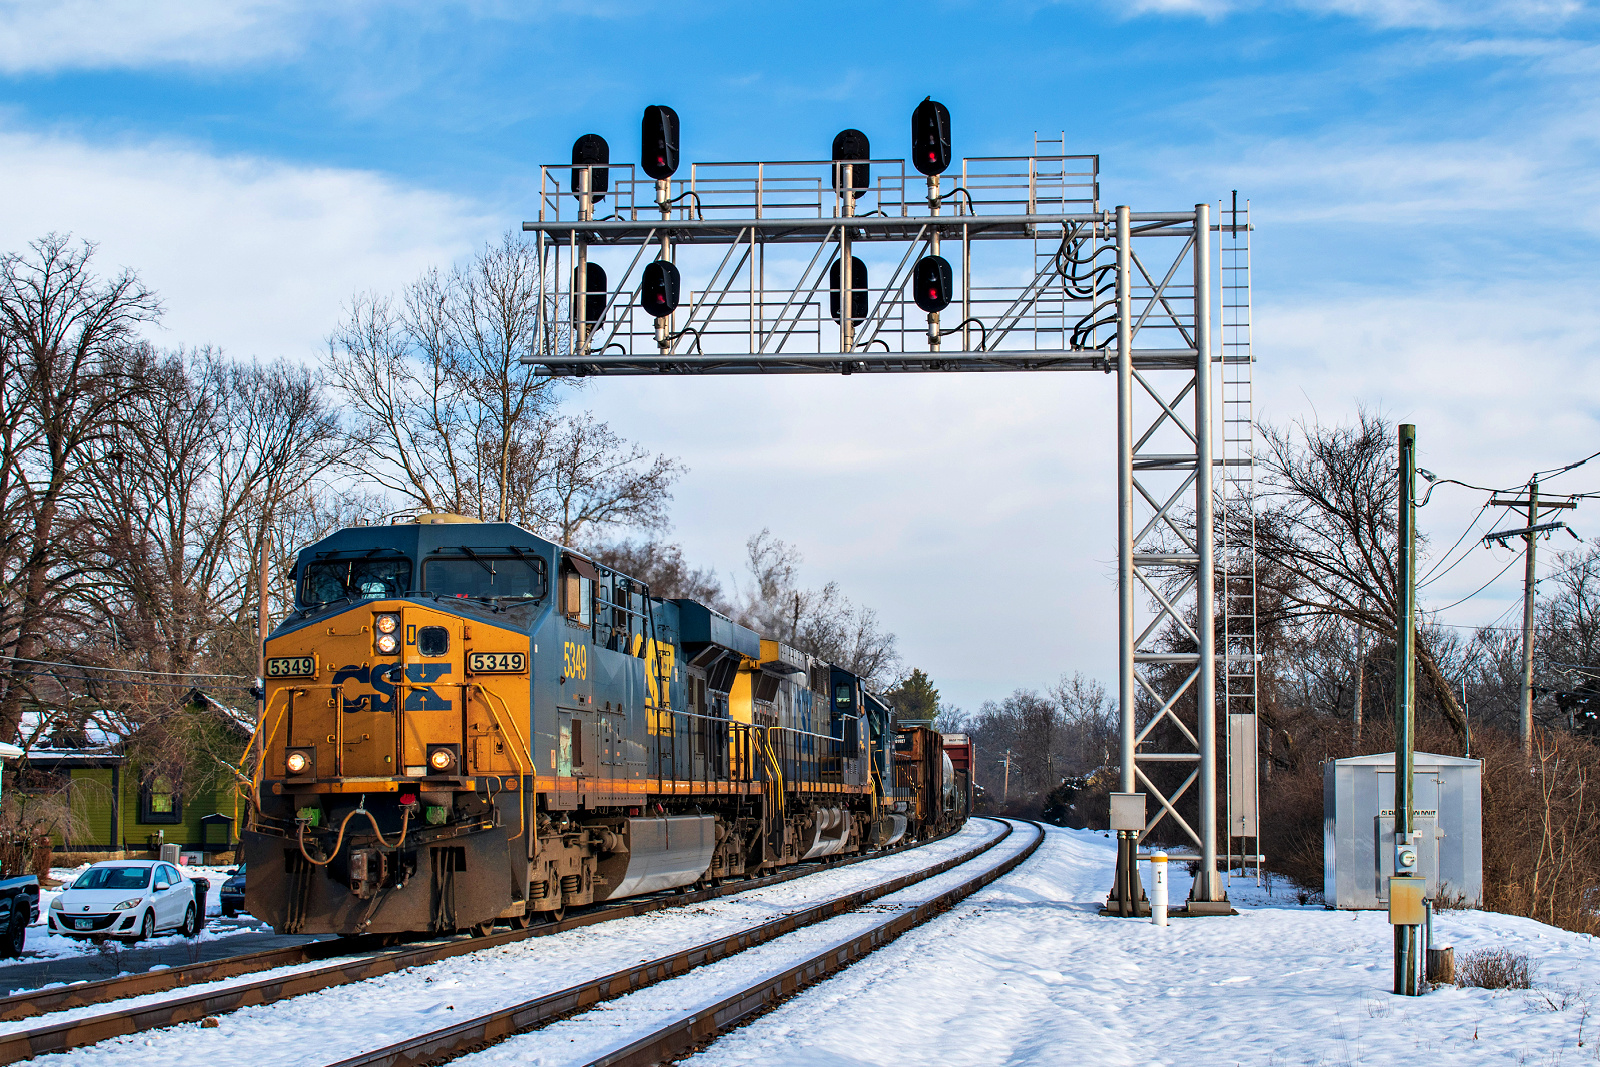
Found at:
<point>1568,467</point>
<point>126,670</point>
<point>1430,576</point>
<point>1513,562</point>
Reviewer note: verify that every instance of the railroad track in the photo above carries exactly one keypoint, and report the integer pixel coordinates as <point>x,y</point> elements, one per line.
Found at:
<point>700,1026</point>
<point>73,1033</point>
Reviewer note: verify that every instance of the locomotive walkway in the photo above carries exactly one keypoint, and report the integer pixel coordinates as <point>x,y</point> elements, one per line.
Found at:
<point>84,1015</point>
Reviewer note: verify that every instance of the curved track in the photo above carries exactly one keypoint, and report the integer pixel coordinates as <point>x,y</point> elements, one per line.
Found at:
<point>79,1031</point>
<point>699,1026</point>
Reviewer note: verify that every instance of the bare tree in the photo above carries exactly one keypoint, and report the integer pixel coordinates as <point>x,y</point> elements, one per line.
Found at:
<point>823,622</point>
<point>67,339</point>
<point>580,478</point>
<point>1326,534</point>
<point>452,419</point>
<point>662,567</point>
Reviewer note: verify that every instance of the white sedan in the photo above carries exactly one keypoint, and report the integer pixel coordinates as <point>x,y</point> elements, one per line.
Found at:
<point>126,899</point>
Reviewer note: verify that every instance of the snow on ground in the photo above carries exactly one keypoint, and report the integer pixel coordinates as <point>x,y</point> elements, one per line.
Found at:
<point>392,1007</point>
<point>1026,972</point>
<point>585,1037</point>
<point>42,944</point>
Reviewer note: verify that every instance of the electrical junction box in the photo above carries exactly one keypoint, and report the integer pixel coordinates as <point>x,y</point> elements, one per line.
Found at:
<point>1359,847</point>
<point>1127,811</point>
<point>1405,901</point>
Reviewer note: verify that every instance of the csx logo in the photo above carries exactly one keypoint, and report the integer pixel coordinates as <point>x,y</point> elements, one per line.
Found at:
<point>575,659</point>
<point>385,679</point>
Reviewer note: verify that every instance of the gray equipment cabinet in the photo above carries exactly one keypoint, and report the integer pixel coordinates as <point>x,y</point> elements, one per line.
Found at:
<point>1358,828</point>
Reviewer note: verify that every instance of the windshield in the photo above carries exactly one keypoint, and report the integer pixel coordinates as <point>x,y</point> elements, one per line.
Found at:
<point>485,576</point>
<point>113,878</point>
<point>330,580</point>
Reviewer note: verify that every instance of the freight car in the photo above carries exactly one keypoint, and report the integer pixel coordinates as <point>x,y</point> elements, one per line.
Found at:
<point>465,723</point>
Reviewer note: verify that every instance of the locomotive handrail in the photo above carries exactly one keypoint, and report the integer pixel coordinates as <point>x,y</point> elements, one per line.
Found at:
<point>261,764</point>
<point>522,808</point>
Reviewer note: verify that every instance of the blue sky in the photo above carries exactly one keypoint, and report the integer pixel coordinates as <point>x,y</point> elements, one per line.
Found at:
<point>1422,174</point>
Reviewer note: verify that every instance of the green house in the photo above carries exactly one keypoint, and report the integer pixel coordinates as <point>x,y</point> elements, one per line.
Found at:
<point>120,805</point>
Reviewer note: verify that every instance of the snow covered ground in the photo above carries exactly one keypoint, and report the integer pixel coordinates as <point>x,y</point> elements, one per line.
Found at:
<point>336,1023</point>
<point>42,944</point>
<point>1027,972</point>
<point>1024,972</point>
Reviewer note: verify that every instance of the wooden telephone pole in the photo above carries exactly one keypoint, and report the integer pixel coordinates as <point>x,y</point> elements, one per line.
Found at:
<point>1530,535</point>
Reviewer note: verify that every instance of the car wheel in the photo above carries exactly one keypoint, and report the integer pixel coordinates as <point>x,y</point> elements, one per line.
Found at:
<point>16,936</point>
<point>230,913</point>
<point>147,929</point>
<point>191,924</point>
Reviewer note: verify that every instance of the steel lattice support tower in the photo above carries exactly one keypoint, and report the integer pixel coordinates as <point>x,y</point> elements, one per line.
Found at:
<point>1129,293</point>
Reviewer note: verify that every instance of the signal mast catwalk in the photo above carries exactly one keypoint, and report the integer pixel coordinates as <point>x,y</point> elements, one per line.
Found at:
<point>1095,281</point>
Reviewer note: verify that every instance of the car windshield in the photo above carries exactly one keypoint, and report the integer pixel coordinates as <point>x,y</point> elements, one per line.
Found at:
<point>360,578</point>
<point>113,878</point>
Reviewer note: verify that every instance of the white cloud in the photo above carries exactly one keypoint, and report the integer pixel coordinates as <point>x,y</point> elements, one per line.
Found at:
<point>46,35</point>
<point>251,254</point>
<point>1427,14</point>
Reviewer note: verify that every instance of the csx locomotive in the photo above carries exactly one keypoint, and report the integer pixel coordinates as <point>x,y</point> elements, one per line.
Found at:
<point>465,723</point>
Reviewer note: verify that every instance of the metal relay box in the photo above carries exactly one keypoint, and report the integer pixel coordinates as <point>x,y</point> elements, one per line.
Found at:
<point>1358,843</point>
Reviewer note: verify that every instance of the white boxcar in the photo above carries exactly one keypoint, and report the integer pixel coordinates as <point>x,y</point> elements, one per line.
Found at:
<point>1358,828</point>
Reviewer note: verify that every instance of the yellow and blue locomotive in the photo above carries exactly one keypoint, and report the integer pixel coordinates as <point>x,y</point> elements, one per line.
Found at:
<point>465,723</point>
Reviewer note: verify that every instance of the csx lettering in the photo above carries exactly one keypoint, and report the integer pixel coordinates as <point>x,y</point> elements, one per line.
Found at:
<point>385,679</point>
<point>575,658</point>
<point>420,699</point>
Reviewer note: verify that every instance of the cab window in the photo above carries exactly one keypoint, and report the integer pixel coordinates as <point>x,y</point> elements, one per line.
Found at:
<point>359,578</point>
<point>577,597</point>
<point>486,577</point>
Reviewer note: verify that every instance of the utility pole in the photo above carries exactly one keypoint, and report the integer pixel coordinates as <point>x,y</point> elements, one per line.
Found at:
<point>1405,666</point>
<point>1361,678</point>
<point>1529,581</point>
<point>1005,792</point>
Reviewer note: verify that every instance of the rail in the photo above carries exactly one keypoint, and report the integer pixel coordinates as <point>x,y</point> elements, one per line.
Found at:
<point>472,1034</point>
<point>63,1036</point>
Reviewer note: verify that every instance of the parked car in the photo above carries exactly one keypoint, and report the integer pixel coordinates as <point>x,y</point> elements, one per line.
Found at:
<point>19,907</point>
<point>127,899</point>
<point>233,892</point>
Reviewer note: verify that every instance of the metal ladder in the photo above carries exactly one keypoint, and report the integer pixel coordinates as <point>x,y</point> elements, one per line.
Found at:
<point>1236,559</point>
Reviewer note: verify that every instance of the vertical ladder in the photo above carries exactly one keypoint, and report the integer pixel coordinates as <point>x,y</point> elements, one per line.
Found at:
<point>1236,558</point>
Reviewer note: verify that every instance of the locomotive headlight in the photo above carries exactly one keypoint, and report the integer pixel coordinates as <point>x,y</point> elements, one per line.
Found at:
<point>296,763</point>
<point>387,643</point>
<point>388,624</point>
<point>441,759</point>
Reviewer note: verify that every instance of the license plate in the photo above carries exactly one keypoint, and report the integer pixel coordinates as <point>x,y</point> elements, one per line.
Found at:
<point>83,924</point>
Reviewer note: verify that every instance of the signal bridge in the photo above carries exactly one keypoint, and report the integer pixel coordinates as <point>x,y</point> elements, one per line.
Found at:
<point>1043,278</point>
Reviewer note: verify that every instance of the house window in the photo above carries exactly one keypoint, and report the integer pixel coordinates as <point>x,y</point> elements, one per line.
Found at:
<point>159,802</point>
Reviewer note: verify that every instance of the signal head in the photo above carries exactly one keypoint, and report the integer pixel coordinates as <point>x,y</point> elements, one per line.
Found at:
<point>658,291</point>
<point>932,284</point>
<point>852,146</point>
<point>592,151</point>
<point>930,137</point>
<point>658,141</point>
<point>594,296</point>
<point>858,289</point>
